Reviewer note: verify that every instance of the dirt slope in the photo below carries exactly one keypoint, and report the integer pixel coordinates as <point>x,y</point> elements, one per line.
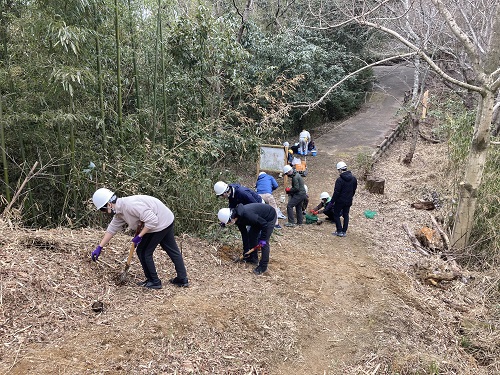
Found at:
<point>328,305</point>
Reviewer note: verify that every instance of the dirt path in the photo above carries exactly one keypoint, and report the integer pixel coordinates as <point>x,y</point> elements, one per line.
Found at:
<point>348,282</point>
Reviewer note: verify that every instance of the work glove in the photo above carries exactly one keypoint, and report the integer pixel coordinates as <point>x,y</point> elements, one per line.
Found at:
<point>287,190</point>
<point>262,243</point>
<point>222,225</point>
<point>96,253</point>
<point>136,240</point>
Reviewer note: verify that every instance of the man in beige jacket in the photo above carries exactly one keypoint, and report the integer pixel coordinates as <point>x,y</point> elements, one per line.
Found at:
<point>158,229</point>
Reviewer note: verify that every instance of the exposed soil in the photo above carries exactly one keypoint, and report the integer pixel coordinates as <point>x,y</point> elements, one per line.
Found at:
<point>327,305</point>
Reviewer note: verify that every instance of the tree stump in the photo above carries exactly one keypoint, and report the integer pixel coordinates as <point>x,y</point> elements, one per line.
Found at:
<point>375,185</point>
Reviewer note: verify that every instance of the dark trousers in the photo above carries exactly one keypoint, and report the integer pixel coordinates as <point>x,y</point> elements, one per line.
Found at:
<point>329,214</point>
<point>338,211</point>
<point>295,202</point>
<point>254,236</point>
<point>166,240</point>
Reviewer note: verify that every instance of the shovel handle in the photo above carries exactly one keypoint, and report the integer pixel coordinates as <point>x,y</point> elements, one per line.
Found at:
<point>132,246</point>
<point>130,255</point>
<point>252,250</point>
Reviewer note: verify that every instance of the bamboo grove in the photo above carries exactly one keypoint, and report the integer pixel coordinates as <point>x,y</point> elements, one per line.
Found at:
<point>152,97</point>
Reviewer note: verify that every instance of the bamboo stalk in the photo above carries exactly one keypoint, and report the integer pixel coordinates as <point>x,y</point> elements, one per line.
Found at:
<point>134,57</point>
<point>118,73</point>
<point>155,77</point>
<point>4,152</point>
<point>99,80</point>
<point>164,95</point>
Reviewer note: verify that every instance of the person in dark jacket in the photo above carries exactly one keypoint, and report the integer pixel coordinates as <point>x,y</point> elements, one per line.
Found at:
<point>265,186</point>
<point>236,194</point>
<point>297,195</point>
<point>324,206</point>
<point>260,218</point>
<point>343,192</point>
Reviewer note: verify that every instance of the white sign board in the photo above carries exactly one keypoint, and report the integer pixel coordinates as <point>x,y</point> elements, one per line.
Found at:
<point>272,158</point>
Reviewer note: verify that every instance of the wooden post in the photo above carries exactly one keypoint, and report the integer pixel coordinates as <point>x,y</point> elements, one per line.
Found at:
<point>425,101</point>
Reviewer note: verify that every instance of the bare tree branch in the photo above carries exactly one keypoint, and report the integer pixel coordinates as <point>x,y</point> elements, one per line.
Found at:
<point>426,57</point>
<point>316,103</point>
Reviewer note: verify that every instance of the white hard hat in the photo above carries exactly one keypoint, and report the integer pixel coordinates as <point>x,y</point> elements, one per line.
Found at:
<point>324,195</point>
<point>261,173</point>
<point>224,215</point>
<point>220,187</point>
<point>101,197</point>
<point>286,169</point>
<point>341,165</point>
<point>286,144</point>
<point>305,187</point>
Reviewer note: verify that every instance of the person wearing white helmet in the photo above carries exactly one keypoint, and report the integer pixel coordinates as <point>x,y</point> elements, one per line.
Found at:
<point>304,139</point>
<point>236,193</point>
<point>297,195</point>
<point>324,206</point>
<point>343,193</point>
<point>255,222</point>
<point>265,186</point>
<point>157,223</point>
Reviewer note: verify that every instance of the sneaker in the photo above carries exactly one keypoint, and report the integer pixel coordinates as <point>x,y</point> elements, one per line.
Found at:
<point>259,270</point>
<point>142,283</point>
<point>342,234</point>
<point>339,234</point>
<point>180,282</point>
<point>277,226</point>
<point>289,225</point>
<point>152,285</point>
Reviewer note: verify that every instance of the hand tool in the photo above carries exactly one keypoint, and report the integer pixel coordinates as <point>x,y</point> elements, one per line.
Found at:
<point>122,279</point>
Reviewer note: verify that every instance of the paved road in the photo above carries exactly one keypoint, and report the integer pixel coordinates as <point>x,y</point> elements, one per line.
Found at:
<point>368,127</point>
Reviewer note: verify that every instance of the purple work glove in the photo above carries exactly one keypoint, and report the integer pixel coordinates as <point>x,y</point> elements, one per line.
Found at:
<point>136,240</point>
<point>96,253</point>
<point>222,225</point>
<point>262,243</point>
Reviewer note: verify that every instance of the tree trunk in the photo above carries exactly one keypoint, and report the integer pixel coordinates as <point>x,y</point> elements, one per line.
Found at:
<point>415,122</point>
<point>464,216</point>
<point>244,18</point>
<point>375,185</point>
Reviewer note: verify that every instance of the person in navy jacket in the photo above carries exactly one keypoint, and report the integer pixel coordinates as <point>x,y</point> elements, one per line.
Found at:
<point>236,194</point>
<point>260,218</point>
